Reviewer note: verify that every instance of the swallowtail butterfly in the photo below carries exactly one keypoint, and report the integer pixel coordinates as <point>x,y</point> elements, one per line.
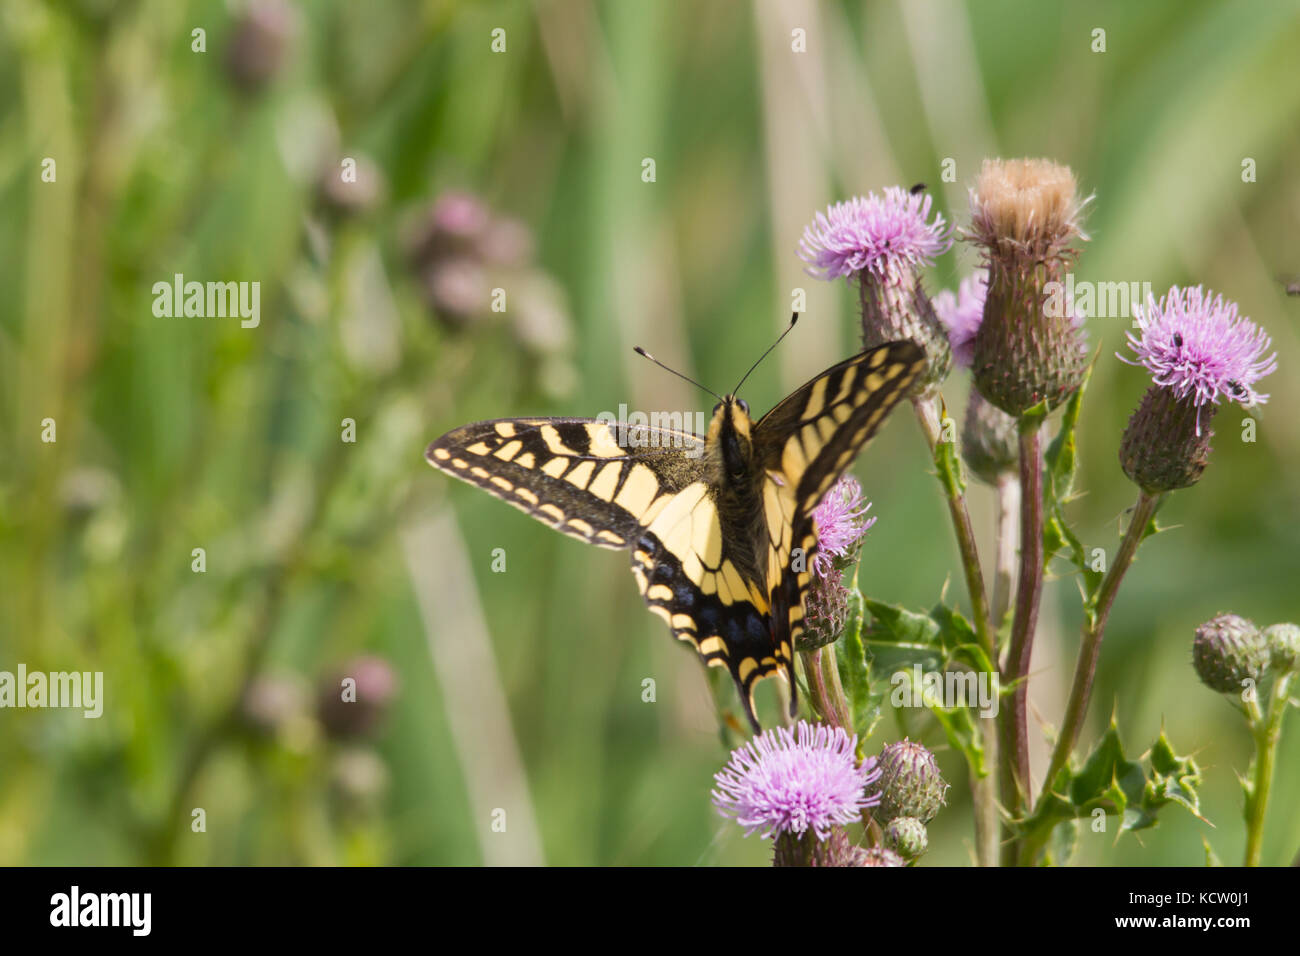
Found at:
<point>720,526</point>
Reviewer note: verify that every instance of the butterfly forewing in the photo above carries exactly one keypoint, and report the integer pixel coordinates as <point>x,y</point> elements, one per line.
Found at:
<point>584,477</point>
<point>805,444</point>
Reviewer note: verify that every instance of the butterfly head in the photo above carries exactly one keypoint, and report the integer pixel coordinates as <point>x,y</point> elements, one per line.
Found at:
<point>729,436</point>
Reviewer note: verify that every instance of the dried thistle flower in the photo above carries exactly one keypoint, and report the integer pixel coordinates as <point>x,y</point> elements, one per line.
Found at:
<point>1025,213</point>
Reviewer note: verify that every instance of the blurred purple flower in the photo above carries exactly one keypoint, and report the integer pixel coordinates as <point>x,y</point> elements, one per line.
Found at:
<point>783,782</point>
<point>1194,343</point>
<point>961,314</point>
<point>882,234</point>
<point>841,523</point>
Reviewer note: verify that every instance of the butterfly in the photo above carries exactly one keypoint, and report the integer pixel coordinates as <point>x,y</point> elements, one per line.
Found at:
<point>719,526</point>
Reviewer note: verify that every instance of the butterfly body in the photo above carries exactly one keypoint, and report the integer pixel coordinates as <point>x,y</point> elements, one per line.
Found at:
<point>719,526</point>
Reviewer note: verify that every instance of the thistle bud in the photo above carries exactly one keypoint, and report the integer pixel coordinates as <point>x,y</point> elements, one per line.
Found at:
<point>907,837</point>
<point>990,440</point>
<point>354,700</point>
<point>355,195</point>
<point>272,703</point>
<point>1025,214</point>
<point>898,308</point>
<point>910,783</point>
<point>259,43</point>
<point>828,611</point>
<point>1284,647</point>
<point>1166,445</point>
<point>877,856</point>
<point>1228,650</point>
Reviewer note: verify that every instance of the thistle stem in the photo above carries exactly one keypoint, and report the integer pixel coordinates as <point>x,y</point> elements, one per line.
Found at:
<point>983,798</point>
<point>1085,667</point>
<point>1008,494</point>
<point>927,413</point>
<point>824,687</point>
<point>1014,721</point>
<point>1267,730</point>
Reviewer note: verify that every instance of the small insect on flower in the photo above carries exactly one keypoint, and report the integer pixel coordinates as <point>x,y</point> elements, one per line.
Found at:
<point>882,234</point>
<point>1195,343</point>
<point>782,782</point>
<point>918,188</point>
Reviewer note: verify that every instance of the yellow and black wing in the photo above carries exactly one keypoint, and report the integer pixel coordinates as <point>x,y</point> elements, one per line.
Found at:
<point>804,445</point>
<point>593,480</point>
<point>645,490</point>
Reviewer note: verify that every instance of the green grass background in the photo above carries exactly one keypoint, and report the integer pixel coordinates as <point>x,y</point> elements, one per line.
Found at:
<point>182,433</point>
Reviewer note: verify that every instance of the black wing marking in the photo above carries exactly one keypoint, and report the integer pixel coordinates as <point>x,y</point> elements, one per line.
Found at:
<point>584,477</point>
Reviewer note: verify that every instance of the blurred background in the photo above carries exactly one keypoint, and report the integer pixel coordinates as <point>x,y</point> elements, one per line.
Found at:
<point>500,715</point>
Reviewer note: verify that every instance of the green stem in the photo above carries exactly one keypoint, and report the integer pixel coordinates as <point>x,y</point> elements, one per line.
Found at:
<point>1094,629</point>
<point>983,797</point>
<point>1008,493</point>
<point>824,687</point>
<point>1014,721</point>
<point>927,413</point>
<point>1267,730</point>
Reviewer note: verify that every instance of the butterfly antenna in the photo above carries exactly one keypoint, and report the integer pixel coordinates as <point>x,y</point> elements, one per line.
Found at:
<point>644,354</point>
<point>793,319</point>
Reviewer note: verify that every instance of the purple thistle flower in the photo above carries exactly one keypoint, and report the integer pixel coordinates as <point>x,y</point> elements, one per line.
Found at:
<point>782,782</point>
<point>881,234</point>
<point>961,314</point>
<point>841,523</point>
<point>1194,343</point>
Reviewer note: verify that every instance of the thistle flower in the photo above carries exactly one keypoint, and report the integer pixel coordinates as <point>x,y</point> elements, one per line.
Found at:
<point>1025,214</point>
<point>791,783</point>
<point>910,785</point>
<point>841,523</point>
<point>962,313</point>
<point>1199,351</point>
<point>1194,343</point>
<point>885,236</point>
<point>1228,650</point>
<point>882,241</point>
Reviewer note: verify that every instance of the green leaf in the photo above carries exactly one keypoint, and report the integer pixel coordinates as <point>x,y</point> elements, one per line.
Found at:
<point>1132,791</point>
<point>897,638</point>
<point>949,468</point>
<point>900,639</point>
<point>851,657</point>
